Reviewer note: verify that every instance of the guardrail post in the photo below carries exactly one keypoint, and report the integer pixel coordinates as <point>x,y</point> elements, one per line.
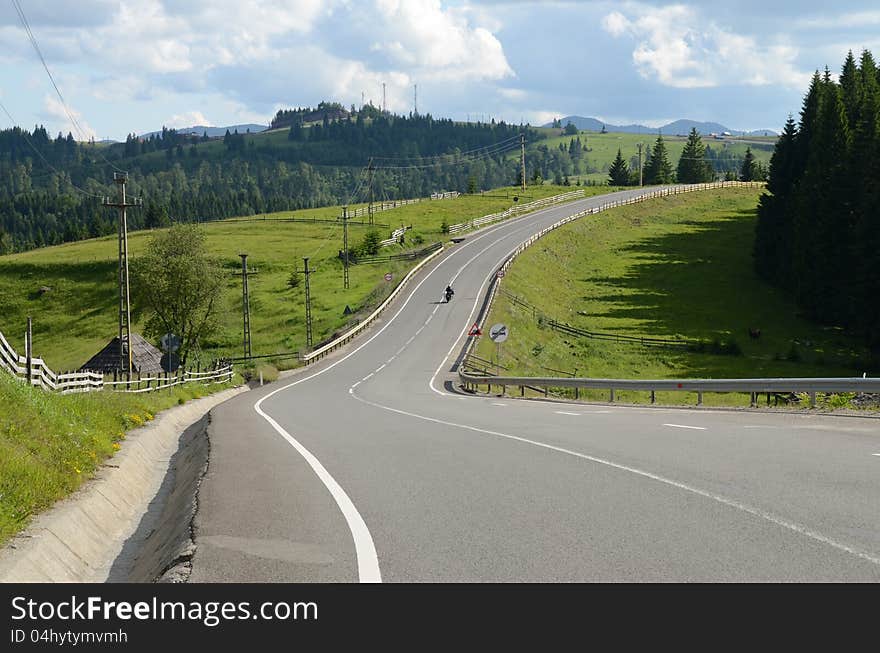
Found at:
<point>699,398</point>
<point>753,399</point>
<point>611,400</point>
<point>812,400</point>
<point>522,391</point>
<point>652,397</point>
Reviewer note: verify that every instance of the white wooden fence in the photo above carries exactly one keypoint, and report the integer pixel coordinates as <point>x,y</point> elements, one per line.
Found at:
<point>43,377</point>
<point>386,206</point>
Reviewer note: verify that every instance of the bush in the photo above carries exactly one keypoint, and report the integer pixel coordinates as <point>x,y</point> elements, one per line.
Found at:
<point>294,280</point>
<point>371,244</point>
<point>444,226</point>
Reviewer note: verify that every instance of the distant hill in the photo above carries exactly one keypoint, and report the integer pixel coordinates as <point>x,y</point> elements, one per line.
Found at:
<point>213,132</point>
<point>672,128</point>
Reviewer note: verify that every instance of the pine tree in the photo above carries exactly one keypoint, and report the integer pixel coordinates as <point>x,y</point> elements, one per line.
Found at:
<point>658,170</point>
<point>693,168</point>
<point>749,168</point>
<point>618,173</point>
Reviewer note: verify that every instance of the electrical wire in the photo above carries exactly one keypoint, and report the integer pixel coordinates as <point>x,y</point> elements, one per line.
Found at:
<point>74,122</point>
<point>43,158</point>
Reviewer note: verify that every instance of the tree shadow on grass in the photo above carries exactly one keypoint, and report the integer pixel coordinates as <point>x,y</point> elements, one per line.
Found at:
<point>701,285</point>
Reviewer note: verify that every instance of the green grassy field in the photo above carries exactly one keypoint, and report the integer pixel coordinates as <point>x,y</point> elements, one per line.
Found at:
<point>673,267</point>
<point>50,444</point>
<point>77,316</point>
<point>602,149</point>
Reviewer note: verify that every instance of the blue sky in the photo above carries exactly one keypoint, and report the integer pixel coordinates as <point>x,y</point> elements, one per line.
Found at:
<point>134,66</point>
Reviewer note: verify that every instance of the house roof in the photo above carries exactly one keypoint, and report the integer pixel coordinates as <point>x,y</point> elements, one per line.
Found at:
<point>145,358</point>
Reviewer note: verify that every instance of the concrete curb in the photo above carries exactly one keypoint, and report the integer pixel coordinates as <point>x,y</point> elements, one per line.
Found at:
<point>80,537</point>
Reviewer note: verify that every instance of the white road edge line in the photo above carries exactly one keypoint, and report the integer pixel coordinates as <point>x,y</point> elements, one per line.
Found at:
<point>684,426</point>
<point>565,412</point>
<point>365,549</point>
<point>757,512</point>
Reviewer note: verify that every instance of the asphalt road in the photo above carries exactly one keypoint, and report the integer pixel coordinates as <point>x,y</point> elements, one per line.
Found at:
<point>368,466</point>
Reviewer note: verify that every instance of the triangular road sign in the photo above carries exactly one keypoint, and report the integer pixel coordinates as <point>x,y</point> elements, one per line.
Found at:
<point>475,330</point>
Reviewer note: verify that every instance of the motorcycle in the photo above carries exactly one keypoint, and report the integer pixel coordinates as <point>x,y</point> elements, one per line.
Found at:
<point>449,294</point>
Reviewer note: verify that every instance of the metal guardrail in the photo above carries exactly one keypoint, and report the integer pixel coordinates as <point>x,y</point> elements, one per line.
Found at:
<point>515,210</point>
<point>753,387</point>
<point>322,351</point>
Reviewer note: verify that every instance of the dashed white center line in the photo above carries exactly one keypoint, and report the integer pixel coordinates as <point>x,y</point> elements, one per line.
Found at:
<point>495,403</point>
<point>683,426</point>
<point>564,412</point>
<point>875,454</point>
<point>380,368</point>
<point>368,376</point>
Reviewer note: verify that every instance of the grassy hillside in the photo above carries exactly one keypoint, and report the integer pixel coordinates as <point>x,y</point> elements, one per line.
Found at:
<point>602,148</point>
<point>77,315</point>
<point>50,444</point>
<point>673,267</point>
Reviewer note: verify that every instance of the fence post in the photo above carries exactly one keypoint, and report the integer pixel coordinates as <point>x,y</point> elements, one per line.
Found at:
<point>28,350</point>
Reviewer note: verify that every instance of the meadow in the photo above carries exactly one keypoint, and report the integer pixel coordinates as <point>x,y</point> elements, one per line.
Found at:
<point>676,267</point>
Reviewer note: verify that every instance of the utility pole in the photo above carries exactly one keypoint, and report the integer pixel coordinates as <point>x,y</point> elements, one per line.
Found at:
<point>120,178</point>
<point>307,272</point>
<point>362,99</point>
<point>640,164</point>
<point>245,306</point>
<point>370,177</point>
<point>384,105</point>
<point>415,99</point>
<point>345,247</point>
<point>522,145</point>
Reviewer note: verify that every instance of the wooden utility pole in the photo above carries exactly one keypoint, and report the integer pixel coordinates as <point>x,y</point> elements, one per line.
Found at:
<point>307,272</point>
<point>384,106</point>
<point>345,247</point>
<point>120,178</point>
<point>522,145</point>
<point>640,164</point>
<point>245,307</point>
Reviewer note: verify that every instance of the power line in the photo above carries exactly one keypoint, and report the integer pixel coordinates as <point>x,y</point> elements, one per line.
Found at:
<point>24,133</point>
<point>74,122</point>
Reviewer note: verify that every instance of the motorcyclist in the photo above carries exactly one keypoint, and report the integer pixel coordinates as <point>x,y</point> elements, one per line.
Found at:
<point>449,292</point>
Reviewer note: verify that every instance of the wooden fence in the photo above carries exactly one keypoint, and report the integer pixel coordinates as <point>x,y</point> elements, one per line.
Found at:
<point>34,371</point>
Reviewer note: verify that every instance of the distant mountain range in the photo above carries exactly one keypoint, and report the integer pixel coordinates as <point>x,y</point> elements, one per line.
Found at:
<point>213,132</point>
<point>672,129</point>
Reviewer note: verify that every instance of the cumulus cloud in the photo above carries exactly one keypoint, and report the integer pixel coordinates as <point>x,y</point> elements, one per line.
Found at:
<point>80,129</point>
<point>680,48</point>
<point>189,119</point>
<point>266,52</point>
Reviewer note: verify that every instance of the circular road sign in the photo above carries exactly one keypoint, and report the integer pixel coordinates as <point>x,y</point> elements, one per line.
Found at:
<point>498,332</point>
<point>500,274</point>
<point>388,276</point>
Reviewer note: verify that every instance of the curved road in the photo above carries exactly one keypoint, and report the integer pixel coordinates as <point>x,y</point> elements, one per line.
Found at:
<point>369,467</point>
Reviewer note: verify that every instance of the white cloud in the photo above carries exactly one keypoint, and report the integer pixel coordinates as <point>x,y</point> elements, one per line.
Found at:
<point>512,93</point>
<point>189,119</point>
<point>679,48</point>
<point>81,130</point>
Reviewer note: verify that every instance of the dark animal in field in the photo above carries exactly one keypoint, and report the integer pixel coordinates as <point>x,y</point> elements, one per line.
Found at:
<point>754,333</point>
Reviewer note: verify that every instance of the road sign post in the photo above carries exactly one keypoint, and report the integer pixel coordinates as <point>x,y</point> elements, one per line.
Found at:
<point>498,333</point>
